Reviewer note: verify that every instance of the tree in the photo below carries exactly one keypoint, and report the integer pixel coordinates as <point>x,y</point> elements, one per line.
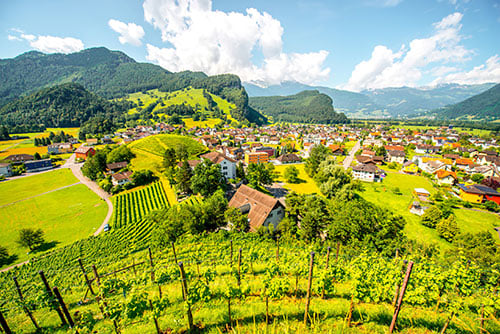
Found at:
<point>95,165</point>
<point>317,155</point>
<point>237,220</point>
<point>333,179</point>
<point>30,238</point>
<point>478,178</point>
<point>37,156</point>
<point>314,219</point>
<point>380,151</point>
<point>4,256</point>
<point>240,170</point>
<point>490,182</point>
<point>142,177</point>
<point>169,158</point>
<point>447,228</point>
<point>207,178</point>
<point>105,185</point>
<point>292,174</point>
<point>119,154</point>
<point>259,175</point>
<point>183,178</point>
<point>432,216</point>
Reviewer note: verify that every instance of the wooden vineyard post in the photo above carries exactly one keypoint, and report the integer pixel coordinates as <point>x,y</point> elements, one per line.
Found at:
<point>481,324</point>
<point>326,268</point>
<point>185,292</point>
<point>175,254</point>
<point>277,250</point>
<point>401,295</point>
<point>25,308</point>
<point>89,284</point>
<point>63,306</point>
<point>239,267</point>
<point>51,296</point>
<point>153,270</point>
<point>396,292</point>
<point>98,280</point>
<point>229,311</point>
<point>3,324</point>
<point>309,285</point>
<point>452,314</point>
<point>154,318</point>
<point>231,255</point>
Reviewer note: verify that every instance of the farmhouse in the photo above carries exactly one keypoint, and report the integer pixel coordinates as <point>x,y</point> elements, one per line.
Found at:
<point>83,152</point>
<point>121,178</point>
<point>366,172</point>
<point>227,165</point>
<point>396,156</point>
<point>38,165</point>
<point>19,158</point>
<point>445,177</point>
<point>5,169</point>
<point>262,209</point>
<point>60,148</point>
<point>115,166</point>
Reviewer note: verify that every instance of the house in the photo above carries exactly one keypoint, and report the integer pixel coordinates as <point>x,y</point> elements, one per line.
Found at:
<point>256,157</point>
<point>366,172</point>
<point>83,152</point>
<point>478,193</point>
<point>417,208</point>
<point>92,141</point>
<point>410,167</point>
<point>396,156</point>
<point>486,171</point>
<point>336,149</point>
<point>5,169</point>
<point>288,158</point>
<point>262,209</point>
<point>121,178</point>
<point>464,163</point>
<point>445,177</point>
<point>432,166</point>
<point>107,140</point>
<point>116,166</point>
<point>422,194</point>
<point>227,165</point>
<point>60,148</point>
<point>269,150</point>
<point>38,165</point>
<point>19,158</point>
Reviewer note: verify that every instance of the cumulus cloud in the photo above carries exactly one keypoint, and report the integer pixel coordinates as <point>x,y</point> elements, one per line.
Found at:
<point>129,33</point>
<point>405,67</point>
<point>49,44</point>
<point>201,39</point>
<point>488,72</point>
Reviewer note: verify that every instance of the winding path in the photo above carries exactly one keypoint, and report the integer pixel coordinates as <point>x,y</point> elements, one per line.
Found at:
<point>348,160</point>
<point>76,169</point>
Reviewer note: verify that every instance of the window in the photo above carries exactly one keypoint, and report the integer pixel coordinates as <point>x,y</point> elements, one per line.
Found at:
<point>224,168</point>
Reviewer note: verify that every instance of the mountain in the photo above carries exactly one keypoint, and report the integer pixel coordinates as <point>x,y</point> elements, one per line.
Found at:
<point>308,107</point>
<point>65,105</point>
<point>484,106</point>
<point>386,102</point>
<point>112,74</point>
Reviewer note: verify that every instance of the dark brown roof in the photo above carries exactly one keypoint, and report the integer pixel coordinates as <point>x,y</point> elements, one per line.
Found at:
<point>117,165</point>
<point>19,157</point>
<point>288,157</point>
<point>216,157</point>
<point>122,176</point>
<point>260,204</point>
<point>396,153</point>
<point>365,168</point>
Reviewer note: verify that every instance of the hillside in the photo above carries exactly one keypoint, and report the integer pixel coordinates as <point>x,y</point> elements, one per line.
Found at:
<point>484,106</point>
<point>307,107</point>
<point>66,105</point>
<point>112,74</point>
<point>387,102</point>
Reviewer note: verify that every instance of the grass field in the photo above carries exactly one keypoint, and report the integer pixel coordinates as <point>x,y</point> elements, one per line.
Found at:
<point>157,145</point>
<point>210,122</point>
<point>14,190</point>
<point>308,186</point>
<point>65,215</point>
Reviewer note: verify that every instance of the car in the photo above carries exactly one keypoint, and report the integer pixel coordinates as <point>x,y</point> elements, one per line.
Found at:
<point>106,228</point>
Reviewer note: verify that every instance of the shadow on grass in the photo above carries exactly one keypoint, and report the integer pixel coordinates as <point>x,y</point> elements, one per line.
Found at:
<point>9,260</point>
<point>45,246</point>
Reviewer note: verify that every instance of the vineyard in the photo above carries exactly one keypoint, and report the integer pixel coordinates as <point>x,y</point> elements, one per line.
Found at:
<point>133,206</point>
<point>223,281</point>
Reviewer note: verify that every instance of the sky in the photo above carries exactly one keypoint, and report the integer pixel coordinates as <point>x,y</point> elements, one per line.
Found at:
<point>349,44</point>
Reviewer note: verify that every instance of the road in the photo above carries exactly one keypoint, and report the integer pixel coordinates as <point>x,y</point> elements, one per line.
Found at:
<point>348,160</point>
<point>76,169</point>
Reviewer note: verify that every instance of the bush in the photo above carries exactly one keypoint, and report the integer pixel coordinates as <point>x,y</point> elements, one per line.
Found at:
<point>292,174</point>
<point>392,165</point>
<point>447,228</point>
<point>491,206</point>
<point>431,217</point>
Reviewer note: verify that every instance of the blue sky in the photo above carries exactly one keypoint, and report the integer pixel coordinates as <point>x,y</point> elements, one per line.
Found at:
<point>355,45</point>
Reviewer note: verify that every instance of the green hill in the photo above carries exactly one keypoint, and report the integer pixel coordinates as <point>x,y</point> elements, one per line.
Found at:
<point>112,74</point>
<point>481,107</point>
<point>66,105</point>
<point>308,106</point>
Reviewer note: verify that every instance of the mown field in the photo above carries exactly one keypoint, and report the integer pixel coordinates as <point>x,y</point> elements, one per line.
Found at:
<point>306,186</point>
<point>158,144</point>
<point>65,211</point>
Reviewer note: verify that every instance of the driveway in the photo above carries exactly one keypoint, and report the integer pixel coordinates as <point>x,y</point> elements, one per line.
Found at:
<point>76,169</point>
<point>348,160</point>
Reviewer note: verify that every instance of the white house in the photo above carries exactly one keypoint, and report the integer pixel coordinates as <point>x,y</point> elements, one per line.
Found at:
<point>366,172</point>
<point>227,165</point>
<point>5,169</point>
<point>121,178</point>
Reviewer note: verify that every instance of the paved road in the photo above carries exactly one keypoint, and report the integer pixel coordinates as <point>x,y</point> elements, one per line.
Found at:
<point>348,160</point>
<point>76,169</point>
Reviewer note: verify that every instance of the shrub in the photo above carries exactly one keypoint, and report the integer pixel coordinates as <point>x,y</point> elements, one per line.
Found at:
<point>447,228</point>
<point>431,217</point>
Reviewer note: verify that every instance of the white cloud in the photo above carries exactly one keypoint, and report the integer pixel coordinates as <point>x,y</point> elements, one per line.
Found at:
<point>49,44</point>
<point>129,33</point>
<point>489,72</point>
<point>386,68</point>
<point>201,39</point>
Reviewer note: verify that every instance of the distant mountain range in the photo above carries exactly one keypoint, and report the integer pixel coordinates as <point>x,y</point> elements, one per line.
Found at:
<point>380,103</point>
<point>309,106</point>
<point>484,106</point>
<point>112,74</point>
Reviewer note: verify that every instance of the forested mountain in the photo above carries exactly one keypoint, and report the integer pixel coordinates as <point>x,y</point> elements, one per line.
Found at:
<point>111,74</point>
<point>65,105</point>
<point>307,106</point>
<point>387,102</point>
<point>484,106</point>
